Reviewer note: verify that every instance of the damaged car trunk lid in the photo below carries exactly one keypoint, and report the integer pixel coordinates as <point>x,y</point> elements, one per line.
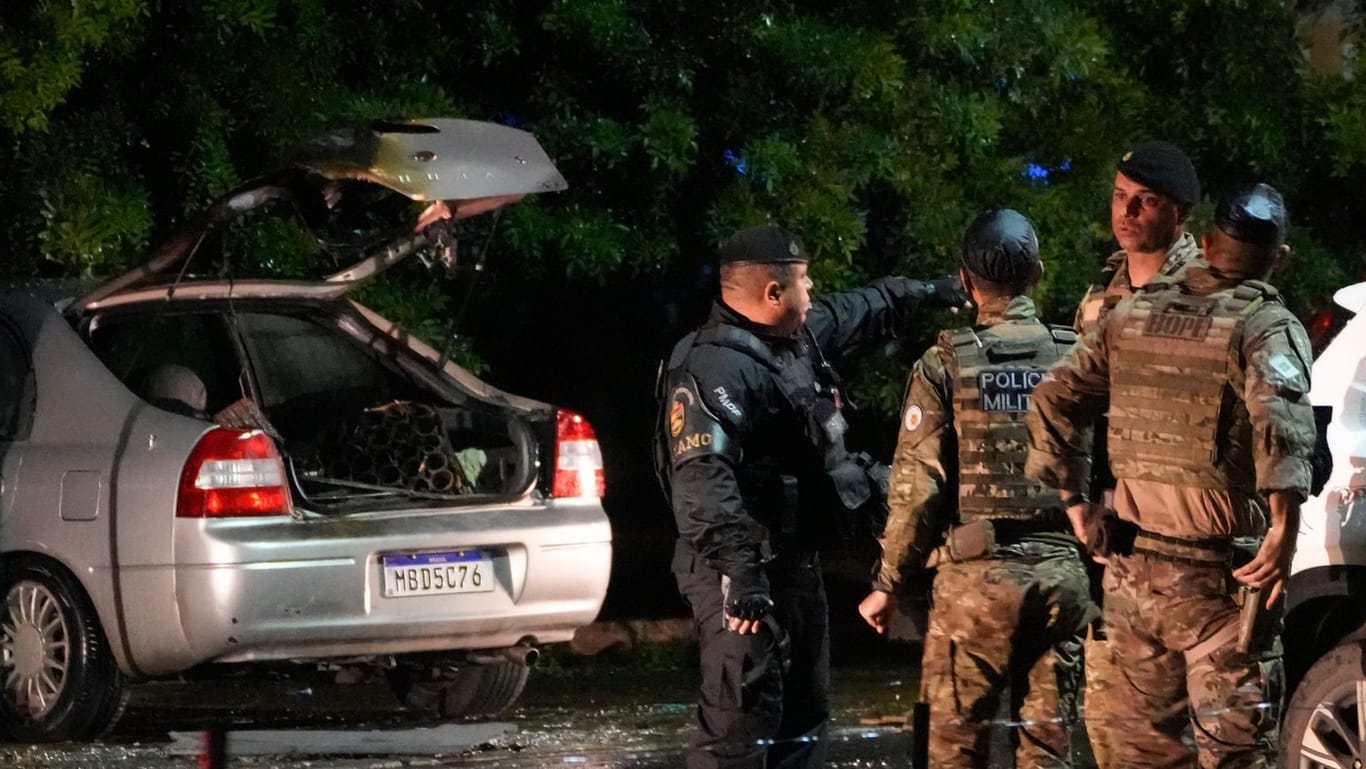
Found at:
<point>423,160</point>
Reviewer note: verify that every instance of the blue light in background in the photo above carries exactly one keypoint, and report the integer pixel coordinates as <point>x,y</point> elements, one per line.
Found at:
<point>1039,174</point>
<point>737,162</point>
<point>1036,174</point>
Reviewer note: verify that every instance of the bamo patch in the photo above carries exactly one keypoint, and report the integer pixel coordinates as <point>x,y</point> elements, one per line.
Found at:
<point>678,412</point>
<point>1007,389</point>
<point>1178,325</point>
<point>914,418</point>
<point>690,442</point>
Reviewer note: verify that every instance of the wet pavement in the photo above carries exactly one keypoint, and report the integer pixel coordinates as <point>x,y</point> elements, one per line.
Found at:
<point>614,717</point>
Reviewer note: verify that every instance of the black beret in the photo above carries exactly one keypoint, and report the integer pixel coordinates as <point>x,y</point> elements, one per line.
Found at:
<point>1254,214</point>
<point>762,245</point>
<point>1000,245</point>
<point>1164,168</point>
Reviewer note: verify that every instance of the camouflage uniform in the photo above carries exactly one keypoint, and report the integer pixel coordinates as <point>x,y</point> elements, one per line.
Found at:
<point>1206,380</point>
<point>1011,619</point>
<point>1112,286</point>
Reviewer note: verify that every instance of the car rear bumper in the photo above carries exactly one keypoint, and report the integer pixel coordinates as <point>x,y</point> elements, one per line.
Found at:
<point>255,590</point>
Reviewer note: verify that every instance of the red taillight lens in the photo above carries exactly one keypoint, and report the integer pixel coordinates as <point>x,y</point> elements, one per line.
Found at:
<point>233,473</point>
<point>578,460</point>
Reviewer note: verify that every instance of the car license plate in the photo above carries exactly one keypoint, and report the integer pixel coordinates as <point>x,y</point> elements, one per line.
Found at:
<point>466,571</point>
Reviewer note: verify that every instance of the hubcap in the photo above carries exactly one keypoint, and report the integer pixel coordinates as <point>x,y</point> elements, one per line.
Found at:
<point>34,649</point>
<point>1335,736</point>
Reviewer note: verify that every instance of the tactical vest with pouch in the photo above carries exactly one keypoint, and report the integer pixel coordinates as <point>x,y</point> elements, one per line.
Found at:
<point>1173,417</point>
<point>994,372</point>
<point>812,393</point>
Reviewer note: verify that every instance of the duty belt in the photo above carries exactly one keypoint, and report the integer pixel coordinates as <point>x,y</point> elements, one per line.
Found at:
<point>1209,551</point>
<point>999,532</point>
<point>1010,531</point>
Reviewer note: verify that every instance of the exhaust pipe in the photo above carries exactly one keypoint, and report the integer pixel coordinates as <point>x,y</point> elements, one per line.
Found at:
<point>521,654</point>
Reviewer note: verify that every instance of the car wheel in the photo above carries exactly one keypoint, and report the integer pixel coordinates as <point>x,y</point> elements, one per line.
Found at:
<point>466,692</point>
<point>59,680</point>
<point>1325,725</point>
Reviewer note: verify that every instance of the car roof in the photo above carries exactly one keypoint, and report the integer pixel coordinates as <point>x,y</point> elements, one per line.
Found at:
<point>1351,297</point>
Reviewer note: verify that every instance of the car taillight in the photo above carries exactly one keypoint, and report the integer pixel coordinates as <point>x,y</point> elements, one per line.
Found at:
<point>231,474</point>
<point>578,460</point>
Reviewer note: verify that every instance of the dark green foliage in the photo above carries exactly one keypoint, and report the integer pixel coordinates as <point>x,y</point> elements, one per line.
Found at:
<point>876,129</point>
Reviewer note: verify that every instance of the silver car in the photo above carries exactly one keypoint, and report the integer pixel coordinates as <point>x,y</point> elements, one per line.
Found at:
<point>254,471</point>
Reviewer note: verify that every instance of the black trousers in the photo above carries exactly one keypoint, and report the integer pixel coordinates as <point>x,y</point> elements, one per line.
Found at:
<point>765,697</point>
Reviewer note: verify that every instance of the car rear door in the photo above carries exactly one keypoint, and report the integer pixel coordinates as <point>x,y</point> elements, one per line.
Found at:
<point>17,398</point>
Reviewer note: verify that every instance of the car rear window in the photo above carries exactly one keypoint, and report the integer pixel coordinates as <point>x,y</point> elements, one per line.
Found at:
<point>298,358</point>
<point>136,348</point>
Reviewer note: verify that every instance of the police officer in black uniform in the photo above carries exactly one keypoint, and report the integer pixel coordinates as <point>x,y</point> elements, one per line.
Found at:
<point>751,449</point>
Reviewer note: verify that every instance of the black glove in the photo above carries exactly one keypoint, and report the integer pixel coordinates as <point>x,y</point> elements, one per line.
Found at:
<point>871,517</point>
<point>1321,467</point>
<point>747,597</point>
<point>1107,534</point>
<point>946,293</point>
<point>942,292</point>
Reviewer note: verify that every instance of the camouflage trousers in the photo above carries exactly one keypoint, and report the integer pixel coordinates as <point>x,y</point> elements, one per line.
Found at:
<point>1099,705</point>
<point>1011,625</point>
<point>1172,632</point>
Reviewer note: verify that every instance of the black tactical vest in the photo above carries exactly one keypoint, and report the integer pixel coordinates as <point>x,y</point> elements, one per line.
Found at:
<point>811,390</point>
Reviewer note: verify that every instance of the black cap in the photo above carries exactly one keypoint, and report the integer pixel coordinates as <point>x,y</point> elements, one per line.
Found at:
<point>1000,245</point>
<point>1254,214</point>
<point>1162,167</point>
<point>763,245</point>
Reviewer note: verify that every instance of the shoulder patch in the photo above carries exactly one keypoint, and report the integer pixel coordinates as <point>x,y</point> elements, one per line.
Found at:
<point>1284,366</point>
<point>682,400</point>
<point>913,418</point>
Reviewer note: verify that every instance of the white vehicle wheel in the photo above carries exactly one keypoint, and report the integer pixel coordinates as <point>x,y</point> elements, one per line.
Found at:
<point>1325,724</point>
<point>57,678</point>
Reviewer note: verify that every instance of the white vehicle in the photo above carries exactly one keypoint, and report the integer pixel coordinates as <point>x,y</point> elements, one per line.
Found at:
<point>1325,720</point>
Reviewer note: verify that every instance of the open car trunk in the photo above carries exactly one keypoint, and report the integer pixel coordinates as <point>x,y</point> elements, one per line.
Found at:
<point>363,421</point>
<point>364,424</point>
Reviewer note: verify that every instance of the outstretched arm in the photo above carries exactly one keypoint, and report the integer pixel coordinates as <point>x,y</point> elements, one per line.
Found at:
<point>880,310</point>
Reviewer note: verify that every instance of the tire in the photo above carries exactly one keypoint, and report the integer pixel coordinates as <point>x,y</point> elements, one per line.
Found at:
<point>1322,725</point>
<point>58,680</point>
<point>461,693</point>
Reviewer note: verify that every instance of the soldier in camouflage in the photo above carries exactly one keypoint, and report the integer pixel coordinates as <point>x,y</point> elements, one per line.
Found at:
<point>1010,599</point>
<point>1210,437</point>
<point>1154,189</point>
